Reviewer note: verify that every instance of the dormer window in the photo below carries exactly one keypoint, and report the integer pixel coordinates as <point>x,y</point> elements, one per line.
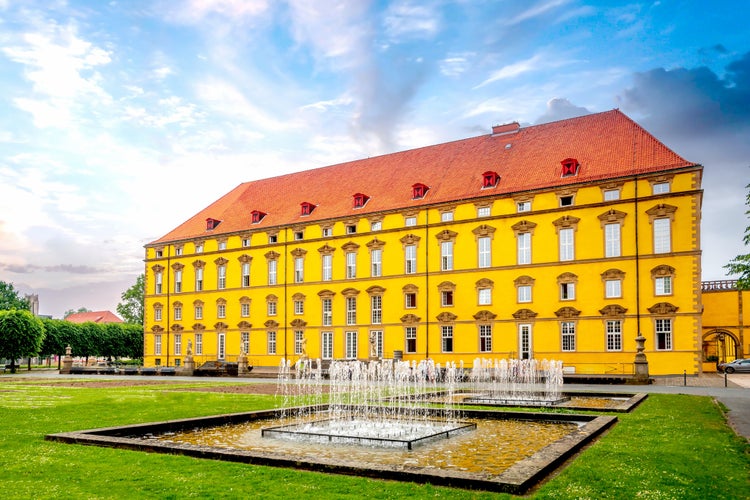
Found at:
<point>257,216</point>
<point>307,208</point>
<point>418,191</point>
<point>212,223</point>
<point>360,200</point>
<point>569,167</point>
<point>490,179</point>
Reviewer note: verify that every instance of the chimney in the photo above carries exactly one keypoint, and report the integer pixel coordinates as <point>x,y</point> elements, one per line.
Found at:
<point>508,128</point>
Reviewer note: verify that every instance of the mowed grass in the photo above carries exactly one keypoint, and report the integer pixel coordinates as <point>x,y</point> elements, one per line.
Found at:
<point>670,447</point>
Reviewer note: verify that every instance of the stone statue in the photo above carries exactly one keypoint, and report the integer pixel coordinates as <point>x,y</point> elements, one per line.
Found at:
<point>190,348</point>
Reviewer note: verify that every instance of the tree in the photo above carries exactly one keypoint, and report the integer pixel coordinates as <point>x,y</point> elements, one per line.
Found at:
<point>75,311</point>
<point>741,264</point>
<point>9,298</point>
<point>131,307</point>
<point>21,335</point>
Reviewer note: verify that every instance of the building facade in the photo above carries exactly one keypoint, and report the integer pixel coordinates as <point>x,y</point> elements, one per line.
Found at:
<point>724,320</point>
<point>565,241</point>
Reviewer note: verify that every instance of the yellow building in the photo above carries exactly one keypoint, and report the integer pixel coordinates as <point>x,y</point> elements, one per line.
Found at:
<point>562,241</point>
<point>724,320</point>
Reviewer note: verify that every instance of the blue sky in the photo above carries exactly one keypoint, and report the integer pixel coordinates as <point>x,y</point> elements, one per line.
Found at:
<point>119,120</point>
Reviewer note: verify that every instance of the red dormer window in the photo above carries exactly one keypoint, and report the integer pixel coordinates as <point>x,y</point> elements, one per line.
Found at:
<point>212,223</point>
<point>257,216</point>
<point>360,200</point>
<point>418,191</point>
<point>569,167</point>
<point>307,208</point>
<point>490,179</point>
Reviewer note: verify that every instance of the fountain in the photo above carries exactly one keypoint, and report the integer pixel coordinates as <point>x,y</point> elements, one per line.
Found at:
<point>518,382</point>
<point>373,419</point>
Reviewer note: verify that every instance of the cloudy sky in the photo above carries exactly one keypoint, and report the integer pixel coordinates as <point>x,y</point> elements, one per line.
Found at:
<point>121,119</point>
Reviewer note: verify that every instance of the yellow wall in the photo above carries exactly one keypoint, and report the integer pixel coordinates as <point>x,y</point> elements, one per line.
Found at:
<point>725,318</point>
<point>590,354</point>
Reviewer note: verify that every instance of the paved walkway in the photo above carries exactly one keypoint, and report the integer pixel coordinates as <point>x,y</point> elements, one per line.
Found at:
<point>735,395</point>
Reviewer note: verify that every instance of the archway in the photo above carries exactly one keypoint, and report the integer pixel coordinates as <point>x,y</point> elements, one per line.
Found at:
<point>720,345</point>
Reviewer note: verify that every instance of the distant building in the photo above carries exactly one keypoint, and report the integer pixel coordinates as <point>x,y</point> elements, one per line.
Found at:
<point>94,317</point>
<point>725,319</point>
<point>566,240</point>
<point>33,299</point>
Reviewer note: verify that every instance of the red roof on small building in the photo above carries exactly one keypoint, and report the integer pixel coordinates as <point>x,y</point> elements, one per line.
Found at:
<point>606,145</point>
<point>94,316</point>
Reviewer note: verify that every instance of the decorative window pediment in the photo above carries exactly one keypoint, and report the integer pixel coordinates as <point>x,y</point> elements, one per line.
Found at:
<point>446,317</point>
<point>158,268</point>
<point>523,280</point>
<point>525,314</point>
<point>198,326</point>
<point>663,308</point>
<point>349,292</point>
<point>298,323</point>
<point>485,283</point>
<point>485,316</point>
<point>566,221</point>
<point>446,235</point>
<point>567,278</point>
<point>375,244</point>
<point>272,255</point>
<point>613,311</point>
<point>244,258</point>
<point>523,226</point>
<point>662,270</point>
<point>244,324</point>
<point>612,216</point>
<point>178,267</point>
<point>157,329</point>
<point>299,252</point>
<point>484,230</point>
<point>410,288</point>
<point>410,318</point>
<point>326,294</point>
<point>271,324</point>
<point>660,211</point>
<point>221,261</point>
<point>612,274</point>
<point>176,328</point>
<point>199,264</point>
<point>567,312</point>
<point>350,247</point>
<point>298,296</point>
<point>221,326</point>
<point>447,286</point>
<point>410,239</point>
<point>326,249</point>
<point>375,290</point>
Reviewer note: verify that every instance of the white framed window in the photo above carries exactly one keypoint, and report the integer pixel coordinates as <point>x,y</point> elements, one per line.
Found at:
<point>376,262</point>
<point>662,235</point>
<point>157,344</point>
<point>327,232</point>
<point>299,341</point>
<point>614,335</point>
<point>524,293</point>
<point>568,334</point>
<point>271,308</point>
<point>410,221</point>
<point>272,272</point>
<point>245,242</point>
<point>663,285</point>
<point>484,212</point>
<point>222,245</point>
<point>410,300</point>
<point>222,277</point>
<point>446,336</point>
<point>198,312</point>
<point>221,311</point>
<point>245,342</point>
<point>410,252</point>
<point>524,248</point>
<point>485,296</point>
<point>157,314</point>
<point>198,279</point>
<point>524,341</point>
<point>612,246</point>
<point>245,274</point>
<point>158,283</point>
<point>410,334</point>
<point>245,310</point>
<point>567,244</point>
<point>446,256</point>
<point>177,313</point>
<point>523,206</point>
<point>199,344</point>
<point>178,281</point>
<point>484,246</point>
<point>613,289</point>
<point>351,345</point>
<point>376,309</point>
<point>221,351</point>
<point>446,298</point>
<point>299,235</point>
<point>351,265</point>
<point>327,306</point>
<point>663,334</point>
<point>299,270</point>
<point>485,338</point>
<point>351,310</point>
<point>351,229</point>
<point>567,291</point>
<point>199,248</point>
<point>446,216</point>
<point>327,267</point>
<point>326,345</point>
<point>273,238</point>
<point>660,188</point>
<point>376,226</point>
<point>271,342</point>
<point>611,195</point>
<point>299,307</point>
<point>566,201</point>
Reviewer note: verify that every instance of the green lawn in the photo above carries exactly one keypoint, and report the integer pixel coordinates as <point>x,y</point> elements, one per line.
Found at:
<point>670,447</point>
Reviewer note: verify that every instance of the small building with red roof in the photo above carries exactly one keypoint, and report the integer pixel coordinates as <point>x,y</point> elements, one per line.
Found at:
<point>94,317</point>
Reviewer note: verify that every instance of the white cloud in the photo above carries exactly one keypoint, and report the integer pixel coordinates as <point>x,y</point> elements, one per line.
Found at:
<point>456,64</point>
<point>407,20</point>
<point>194,11</point>
<point>535,11</point>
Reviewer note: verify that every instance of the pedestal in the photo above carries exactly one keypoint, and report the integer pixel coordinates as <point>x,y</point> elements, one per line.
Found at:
<point>187,368</point>
<point>67,361</point>
<point>641,363</point>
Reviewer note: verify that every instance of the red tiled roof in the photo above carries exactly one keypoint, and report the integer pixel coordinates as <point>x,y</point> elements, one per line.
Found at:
<point>93,316</point>
<point>606,145</point>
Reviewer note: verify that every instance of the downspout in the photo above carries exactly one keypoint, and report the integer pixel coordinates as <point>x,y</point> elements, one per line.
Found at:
<point>286,257</point>
<point>168,310</point>
<point>427,282</point>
